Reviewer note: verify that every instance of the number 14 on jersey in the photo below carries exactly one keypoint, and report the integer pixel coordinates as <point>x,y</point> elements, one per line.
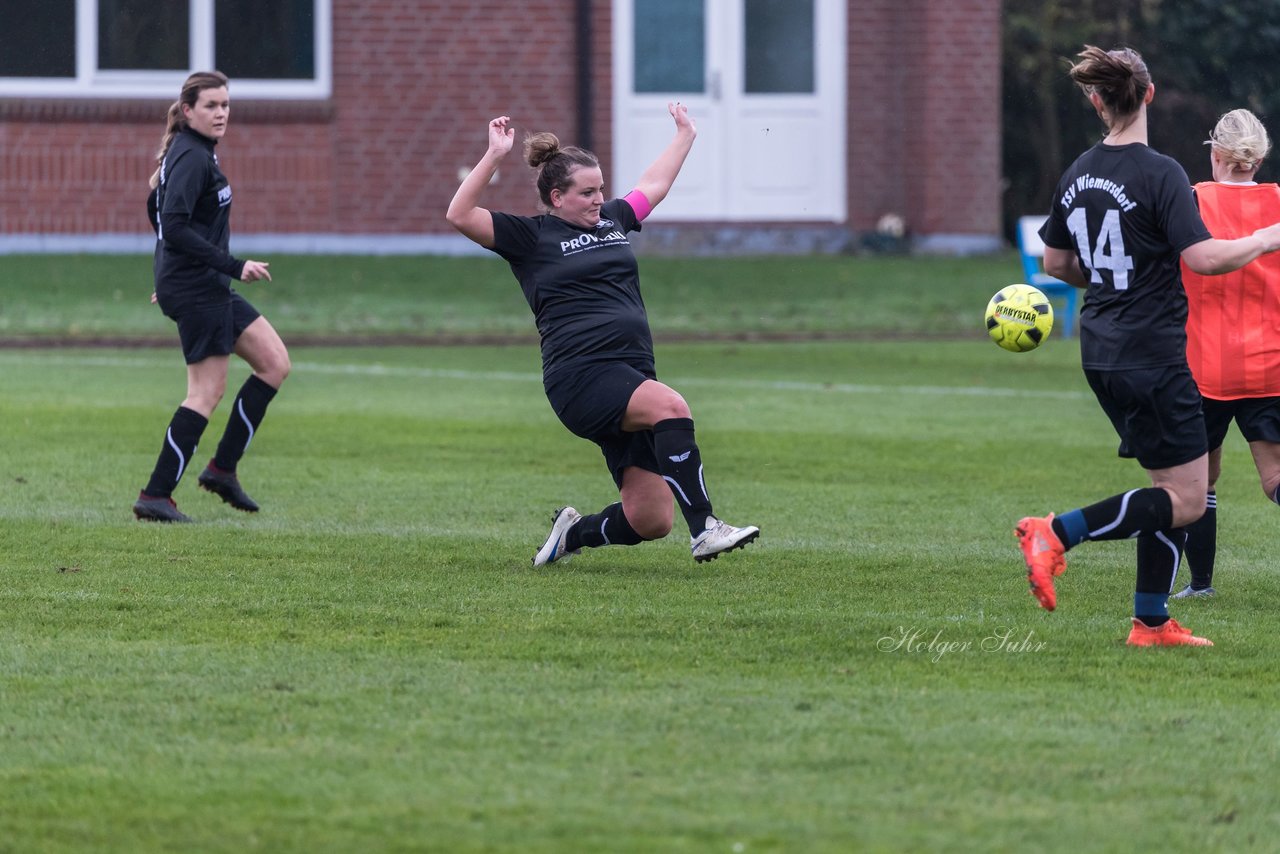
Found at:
<point>1108,253</point>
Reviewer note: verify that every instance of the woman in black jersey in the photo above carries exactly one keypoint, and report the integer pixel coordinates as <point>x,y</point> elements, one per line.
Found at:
<point>581,280</point>
<point>190,209</point>
<point>1122,217</point>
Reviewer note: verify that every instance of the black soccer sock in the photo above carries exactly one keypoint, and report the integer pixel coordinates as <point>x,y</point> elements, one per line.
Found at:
<point>180,440</point>
<point>1202,544</point>
<point>1158,557</point>
<point>246,414</point>
<point>1138,511</point>
<point>609,527</point>
<point>680,465</point>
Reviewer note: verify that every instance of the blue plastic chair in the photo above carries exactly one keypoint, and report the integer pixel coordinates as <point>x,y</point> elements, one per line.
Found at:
<point>1031,247</point>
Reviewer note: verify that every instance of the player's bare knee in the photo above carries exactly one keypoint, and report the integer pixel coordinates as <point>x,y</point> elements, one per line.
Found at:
<point>1187,510</point>
<point>277,370</point>
<point>283,364</point>
<point>674,406</point>
<point>653,528</point>
<point>650,520</point>
<point>1187,518</point>
<point>1270,482</point>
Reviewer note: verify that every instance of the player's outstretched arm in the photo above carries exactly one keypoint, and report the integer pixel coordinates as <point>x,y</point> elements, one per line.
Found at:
<point>1214,256</point>
<point>465,213</point>
<point>656,181</point>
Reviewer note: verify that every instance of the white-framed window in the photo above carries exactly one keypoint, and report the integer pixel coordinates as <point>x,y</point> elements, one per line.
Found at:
<point>146,48</point>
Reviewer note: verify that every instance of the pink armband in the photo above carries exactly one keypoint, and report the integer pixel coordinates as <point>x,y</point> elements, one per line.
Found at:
<point>639,204</point>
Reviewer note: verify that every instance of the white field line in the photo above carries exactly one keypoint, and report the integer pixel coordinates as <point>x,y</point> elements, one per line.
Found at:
<point>45,360</point>
<point>313,527</point>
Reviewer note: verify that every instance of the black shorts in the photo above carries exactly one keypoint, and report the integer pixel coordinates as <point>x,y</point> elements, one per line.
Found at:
<point>591,403</point>
<point>1257,417</point>
<point>209,327</point>
<point>1156,411</point>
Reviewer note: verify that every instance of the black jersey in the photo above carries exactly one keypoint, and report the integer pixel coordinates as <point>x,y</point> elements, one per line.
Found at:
<point>1128,212</point>
<point>192,207</point>
<point>583,285</point>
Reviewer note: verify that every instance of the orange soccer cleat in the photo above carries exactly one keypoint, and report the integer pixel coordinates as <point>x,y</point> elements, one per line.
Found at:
<point>1170,634</point>
<point>1045,556</point>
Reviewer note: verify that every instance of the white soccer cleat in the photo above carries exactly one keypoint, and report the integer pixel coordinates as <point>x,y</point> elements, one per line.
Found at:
<point>720,537</point>
<point>553,549</point>
<point>1190,592</point>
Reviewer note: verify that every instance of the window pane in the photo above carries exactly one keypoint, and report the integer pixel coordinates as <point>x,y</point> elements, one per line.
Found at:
<point>669,43</point>
<point>265,41</point>
<point>780,49</point>
<point>38,38</point>
<point>143,34</point>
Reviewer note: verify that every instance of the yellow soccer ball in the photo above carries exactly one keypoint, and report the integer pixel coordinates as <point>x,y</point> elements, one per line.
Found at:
<point>1019,318</point>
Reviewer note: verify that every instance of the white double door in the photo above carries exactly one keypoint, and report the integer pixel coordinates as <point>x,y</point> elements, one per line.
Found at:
<point>764,81</point>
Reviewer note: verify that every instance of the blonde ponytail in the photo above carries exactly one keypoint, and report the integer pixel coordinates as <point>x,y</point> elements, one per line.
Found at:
<point>1239,138</point>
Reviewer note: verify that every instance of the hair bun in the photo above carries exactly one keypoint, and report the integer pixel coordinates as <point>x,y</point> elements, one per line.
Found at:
<point>540,148</point>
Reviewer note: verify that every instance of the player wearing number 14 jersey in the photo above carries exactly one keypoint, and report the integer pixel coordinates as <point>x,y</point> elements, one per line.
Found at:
<point>1123,216</point>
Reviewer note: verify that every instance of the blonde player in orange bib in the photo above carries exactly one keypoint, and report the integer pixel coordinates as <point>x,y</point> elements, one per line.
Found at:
<point>1233,328</point>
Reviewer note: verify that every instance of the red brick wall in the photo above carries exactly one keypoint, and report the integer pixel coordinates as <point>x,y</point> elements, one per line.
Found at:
<point>73,177</point>
<point>958,126</point>
<point>879,149</point>
<point>416,81</point>
<point>924,114</point>
<point>282,175</point>
<point>83,167</point>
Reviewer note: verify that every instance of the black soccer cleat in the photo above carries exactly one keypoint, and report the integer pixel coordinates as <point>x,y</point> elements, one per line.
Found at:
<point>226,486</point>
<point>149,508</point>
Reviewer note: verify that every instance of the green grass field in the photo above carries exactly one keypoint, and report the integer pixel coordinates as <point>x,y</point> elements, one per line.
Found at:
<point>371,664</point>
<point>86,296</point>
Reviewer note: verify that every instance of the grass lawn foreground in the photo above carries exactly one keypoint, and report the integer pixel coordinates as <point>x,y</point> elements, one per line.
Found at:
<point>370,663</point>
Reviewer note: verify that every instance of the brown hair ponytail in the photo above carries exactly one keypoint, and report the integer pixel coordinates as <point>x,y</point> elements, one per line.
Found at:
<point>175,121</point>
<point>1119,77</point>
